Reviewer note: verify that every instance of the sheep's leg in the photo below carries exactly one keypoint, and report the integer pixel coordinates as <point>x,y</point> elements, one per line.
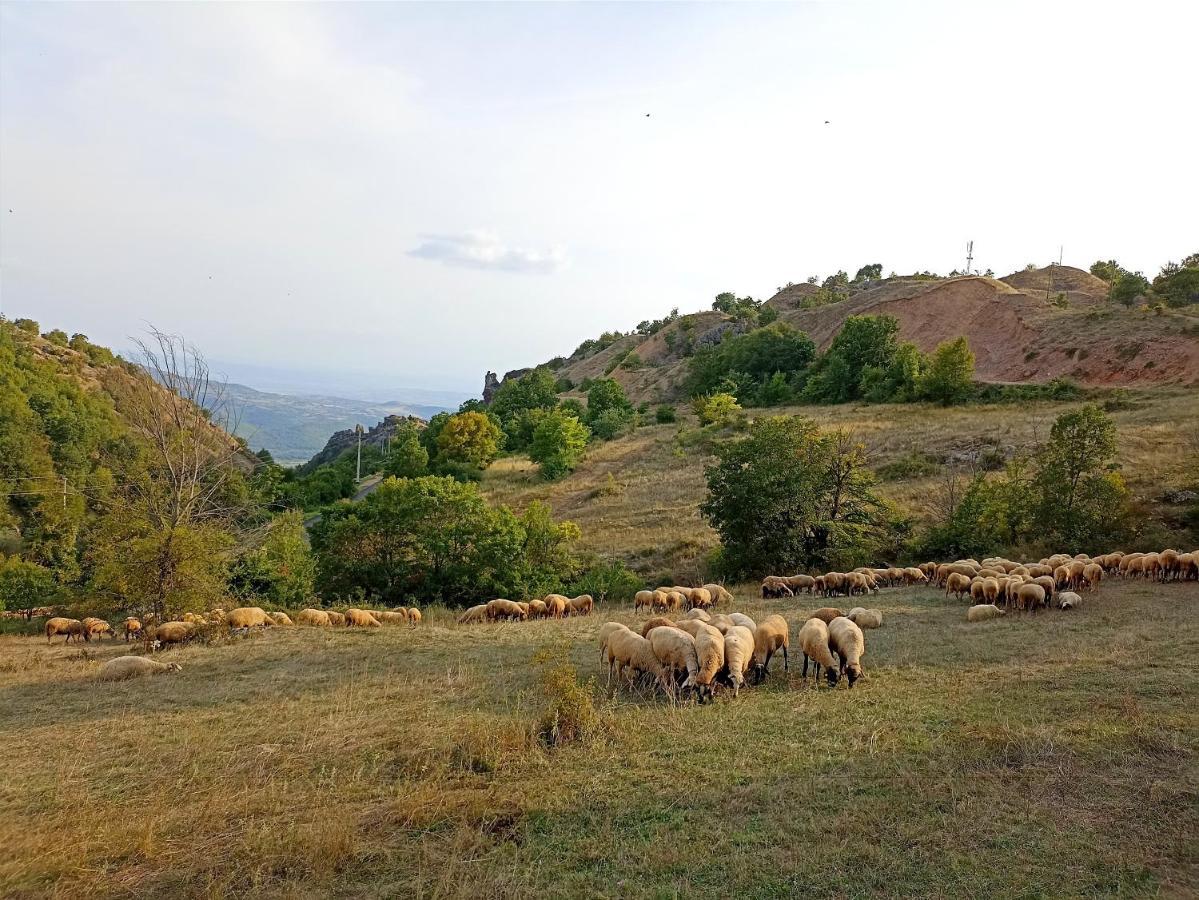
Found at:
<point>805,667</point>
<point>786,663</point>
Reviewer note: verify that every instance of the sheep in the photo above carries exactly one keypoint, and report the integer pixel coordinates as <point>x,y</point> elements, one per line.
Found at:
<point>656,622</point>
<point>772,634</point>
<point>216,616</point>
<point>702,614</point>
<point>193,618</point>
<point>582,605</point>
<point>977,590</point>
<point>774,586</point>
<point>473,615</point>
<point>700,598</point>
<point>172,633</point>
<point>719,593</point>
<point>97,628</point>
<point>317,617</point>
<point>813,643</point>
<point>361,618</point>
<point>1049,583</point>
<point>957,583</point>
<point>505,609</point>
<point>709,651</point>
<point>131,666</point>
<point>847,641</point>
<point>1030,596</point>
<point>984,611</point>
<point>337,619</point>
<point>677,599</point>
<point>414,616</point>
<point>866,618</point>
<point>248,617</point>
<point>800,583</point>
<point>744,620</point>
<point>675,650</point>
<point>738,655</point>
<point>644,600</point>
<point>72,628</point>
<point>1093,574</point>
<point>1068,600</point>
<point>990,589</point>
<point>132,627</point>
<point>605,633</point>
<point>722,623</point>
<point>555,605</point>
<point>631,651</point>
<point>914,575</point>
<point>826,614</point>
<point>281,618</point>
<point>390,616</point>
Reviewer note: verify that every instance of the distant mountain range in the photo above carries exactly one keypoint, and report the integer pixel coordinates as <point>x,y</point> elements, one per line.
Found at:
<point>294,427</point>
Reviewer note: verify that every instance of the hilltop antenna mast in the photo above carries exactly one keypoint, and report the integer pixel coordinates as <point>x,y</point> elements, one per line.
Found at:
<point>969,255</point>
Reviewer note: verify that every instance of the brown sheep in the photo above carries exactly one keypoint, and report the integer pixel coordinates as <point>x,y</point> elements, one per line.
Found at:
<point>775,586</point>
<point>360,618</point>
<point>772,634</point>
<point>249,617</point>
<point>675,650</point>
<point>317,617</point>
<point>958,584</point>
<point>1092,574</point>
<point>826,614</point>
<point>582,605</point>
<point>392,616</point>
<point>801,583</point>
<point>656,622</point>
<point>505,609</point>
<point>281,618</point>
<point>719,594</point>
<point>72,628</point>
<point>172,633</point>
<point>1030,596</point>
<point>631,651</point>
<point>709,650</point>
<point>132,666</point>
<point>847,641</point>
<point>555,605</point>
<point>813,643</point>
<point>738,655</point>
<point>700,598</point>
<point>337,619</point>
<point>132,628</point>
<point>644,600</point>
<point>97,628</point>
<point>473,615</point>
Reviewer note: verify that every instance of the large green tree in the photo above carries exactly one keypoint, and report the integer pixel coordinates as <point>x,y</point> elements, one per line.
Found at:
<point>25,585</point>
<point>558,443</point>
<point>949,375</point>
<point>469,438</point>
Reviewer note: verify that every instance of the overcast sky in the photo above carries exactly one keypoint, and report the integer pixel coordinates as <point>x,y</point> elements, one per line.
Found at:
<point>417,193</point>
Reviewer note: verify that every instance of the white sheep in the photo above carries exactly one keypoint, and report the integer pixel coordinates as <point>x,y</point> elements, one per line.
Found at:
<point>738,655</point>
<point>132,666</point>
<point>675,650</point>
<point>983,612</point>
<point>866,618</point>
<point>847,641</point>
<point>1069,600</point>
<point>813,643</point>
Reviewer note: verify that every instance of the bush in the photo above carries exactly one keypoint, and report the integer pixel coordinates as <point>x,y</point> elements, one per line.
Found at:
<point>664,415</point>
<point>29,326</point>
<point>718,409</point>
<point>610,424</point>
<point>751,359</point>
<point>469,438</point>
<point>914,465</point>
<point>607,580</point>
<point>949,376</point>
<point>558,444</point>
<point>570,716</point>
<point>57,337</point>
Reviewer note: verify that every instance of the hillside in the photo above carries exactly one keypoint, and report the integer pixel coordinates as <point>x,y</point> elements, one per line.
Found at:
<point>1030,326</point>
<point>294,428</point>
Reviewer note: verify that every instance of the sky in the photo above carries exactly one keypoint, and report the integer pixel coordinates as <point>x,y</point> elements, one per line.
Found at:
<point>411,194</point>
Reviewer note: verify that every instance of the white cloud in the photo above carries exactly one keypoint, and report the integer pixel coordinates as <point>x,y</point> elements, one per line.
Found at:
<point>483,250</point>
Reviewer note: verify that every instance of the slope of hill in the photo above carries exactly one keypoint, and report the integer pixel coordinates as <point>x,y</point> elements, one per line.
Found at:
<point>1030,326</point>
<point>294,428</point>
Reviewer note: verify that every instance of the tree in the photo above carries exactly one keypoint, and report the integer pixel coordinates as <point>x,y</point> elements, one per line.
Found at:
<point>1178,285</point>
<point>720,410</point>
<point>1108,270</point>
<point>868,273</point>
<point>24,586</point>
<point>605,394</point>
<point>864,342</point>
<point>470,438</point>
<point>558,444</point>
<point>789,495</point>
<point>407,458</point>
<point>1081,496</point>
<point>949,377</point>
<point>758,355</point>
<point>1128,287</point>
<point>516,397</point>
<point>282,570</point>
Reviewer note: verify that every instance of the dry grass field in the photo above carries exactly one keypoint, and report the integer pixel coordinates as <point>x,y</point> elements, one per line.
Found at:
<point>636,498</point>
<point>1045,757</point>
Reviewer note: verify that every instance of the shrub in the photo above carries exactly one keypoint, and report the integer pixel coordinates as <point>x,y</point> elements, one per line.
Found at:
<point>570,716</point>
<point>949,377</point>
<point>558,444</point>
<point>914,465</point>
<point>610,424</point>
<point>29,326</point>
<point>664,414</point>
<point>717,409</point>
<point>469,438</point>
<point>57,337</point>
<point>631,361</point>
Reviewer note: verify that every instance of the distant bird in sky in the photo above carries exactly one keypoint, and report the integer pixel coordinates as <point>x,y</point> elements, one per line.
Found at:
<point>826,121</point>
<point>647,115</point>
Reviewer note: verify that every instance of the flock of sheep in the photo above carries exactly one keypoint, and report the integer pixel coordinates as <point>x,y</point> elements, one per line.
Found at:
<point>552,606</point>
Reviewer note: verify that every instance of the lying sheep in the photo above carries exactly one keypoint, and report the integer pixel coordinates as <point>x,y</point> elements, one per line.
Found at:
<point>473,615</point>
<point>317,617</point>
<point>738,656</point>
<point>813,643</point>
<point>983,612</point>
<point>249,617</point>
<point>361,618</point>
<point>866,618</point>
<point>1068,600</point>
<point>826,614</point>
<point>771,635</point>
<point>72,628</point>
<point>133,666</point>
<point>675,650</point>
<point>846,640</point>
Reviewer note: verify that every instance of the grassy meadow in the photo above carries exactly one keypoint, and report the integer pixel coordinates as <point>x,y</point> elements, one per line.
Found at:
<point>636,497</point>
<point>1027,757</point>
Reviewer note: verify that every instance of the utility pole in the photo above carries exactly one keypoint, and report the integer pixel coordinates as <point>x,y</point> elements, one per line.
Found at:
<point>969,256</point>
<point>358,431</point>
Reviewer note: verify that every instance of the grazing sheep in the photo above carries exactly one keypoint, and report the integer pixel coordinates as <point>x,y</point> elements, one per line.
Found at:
<point>702,614</point>
<point>772,634</point>
<point>914,576</point>
<point>281,618</point>
<point>1049,583</point>
<point>605,633</point>
<point>635,653</point>
<point>774,586</point>
<point>97,628</point>
<point>414,616</point>
<point>392,616</point>
<point>847,641</point>
<point>709,651</point>
<point>1030,596</point>
<point>361,618</point>
<point>538,610</point>
<point>990,589</point>
<point>644,600</point>
<point>473,615</point>
<point>700,598</point>
<point>978,590</point>
<point>505,609</point>
<point>675,650</point>
<point>132,628</point>
<point>826,614</point>
<point>72,628</point>
<point>813,643</point>
<point>132,666</point>
<point>722,623</point>
<point>249,617</point>
<point>958,584</point>
<point>738,655</point>
<point>193,618</point>
<point>582,605</point>
<point>744,620</point>
<point>555,605</point>
<point>337,619</point>
<point>1093,574</point>
<point>317,617</point>
<point>984,611</point>
<point>656,622</point>
<point>866,618</point>
<point>719,594</point>
<point>172,633</point>
<point>800,583</point>
<point>1068,600</point>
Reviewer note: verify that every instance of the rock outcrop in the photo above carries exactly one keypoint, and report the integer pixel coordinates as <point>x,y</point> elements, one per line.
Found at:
<point>347,439</point>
